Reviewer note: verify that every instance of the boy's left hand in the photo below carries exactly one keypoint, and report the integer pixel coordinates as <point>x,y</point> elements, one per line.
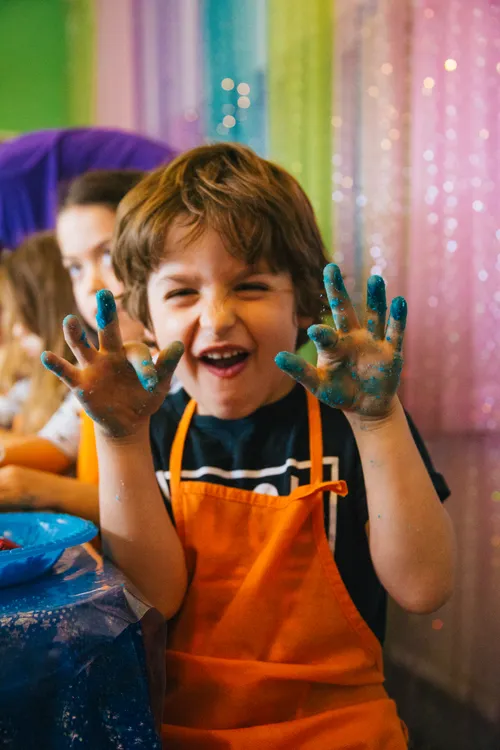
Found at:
<point>358,367</point>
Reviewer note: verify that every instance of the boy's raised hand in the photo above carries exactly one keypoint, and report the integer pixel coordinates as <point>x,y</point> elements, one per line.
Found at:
<point>118,385</point>
<point>358,368</point>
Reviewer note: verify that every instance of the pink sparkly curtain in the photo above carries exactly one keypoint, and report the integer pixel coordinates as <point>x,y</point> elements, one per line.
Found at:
<point>168,68</point>
<point>453,352</point>
<point>370,139</point>
<point>416,180</point>
<point>149,69</point>
<point>452,386</point>
<point>416,170</point>
<point>114,50</point>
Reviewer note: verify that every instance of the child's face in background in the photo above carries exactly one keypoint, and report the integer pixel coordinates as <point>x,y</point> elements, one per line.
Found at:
<point>84,234</point>
<point>231,319</point>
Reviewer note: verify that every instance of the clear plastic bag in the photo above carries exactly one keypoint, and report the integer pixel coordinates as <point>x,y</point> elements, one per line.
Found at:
<point>81,660</point>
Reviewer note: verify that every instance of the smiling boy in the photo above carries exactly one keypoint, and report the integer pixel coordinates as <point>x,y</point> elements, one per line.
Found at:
<point>258,541</point>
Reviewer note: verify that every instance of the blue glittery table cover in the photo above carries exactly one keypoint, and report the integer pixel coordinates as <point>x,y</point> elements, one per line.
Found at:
<point>81,661</point>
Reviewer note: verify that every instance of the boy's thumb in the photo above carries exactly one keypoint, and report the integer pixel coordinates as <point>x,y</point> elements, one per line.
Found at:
<point>167,361</point>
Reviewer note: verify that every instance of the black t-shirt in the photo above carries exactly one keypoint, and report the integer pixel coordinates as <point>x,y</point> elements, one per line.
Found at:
<point>268,451</point>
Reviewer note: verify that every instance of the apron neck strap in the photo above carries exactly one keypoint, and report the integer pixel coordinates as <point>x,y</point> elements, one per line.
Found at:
<point>315,443</point>
<point>315,439</point>
<point>178,447</point>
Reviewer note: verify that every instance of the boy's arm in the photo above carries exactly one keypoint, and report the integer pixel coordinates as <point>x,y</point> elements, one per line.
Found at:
<point>23,488</point>
<point>411,536</point>
<point>137,532</point>
<point>358,371</point>
<point>120,388</point>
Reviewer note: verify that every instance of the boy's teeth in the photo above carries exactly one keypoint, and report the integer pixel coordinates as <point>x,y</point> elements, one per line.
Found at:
<point>223,355</point>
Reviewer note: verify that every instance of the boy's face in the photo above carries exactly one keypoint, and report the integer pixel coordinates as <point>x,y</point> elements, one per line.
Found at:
<point>232,320</point>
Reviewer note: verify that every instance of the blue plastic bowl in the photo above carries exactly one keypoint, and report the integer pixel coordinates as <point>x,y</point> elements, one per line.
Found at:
<point>43,538</point>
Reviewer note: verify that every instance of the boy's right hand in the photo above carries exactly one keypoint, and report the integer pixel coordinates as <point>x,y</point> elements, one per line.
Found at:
<point>118,385</point>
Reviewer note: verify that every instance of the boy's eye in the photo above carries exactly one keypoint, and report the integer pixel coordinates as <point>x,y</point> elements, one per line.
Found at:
<point>180,293</point>
<point>249,286</point>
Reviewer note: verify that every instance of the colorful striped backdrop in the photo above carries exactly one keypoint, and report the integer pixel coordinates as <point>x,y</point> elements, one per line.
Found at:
<point>364,102</point>
<point>388,114</point>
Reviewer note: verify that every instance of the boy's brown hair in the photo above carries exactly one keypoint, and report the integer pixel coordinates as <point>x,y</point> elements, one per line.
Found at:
<point>258,209</point>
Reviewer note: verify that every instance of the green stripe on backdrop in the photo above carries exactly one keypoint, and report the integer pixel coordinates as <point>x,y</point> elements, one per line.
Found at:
<point>300,38</point>
<point>81,55</point>
<point>32,65</point>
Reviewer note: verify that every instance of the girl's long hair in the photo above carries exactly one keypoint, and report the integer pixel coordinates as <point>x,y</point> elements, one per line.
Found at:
<point>36,292</point>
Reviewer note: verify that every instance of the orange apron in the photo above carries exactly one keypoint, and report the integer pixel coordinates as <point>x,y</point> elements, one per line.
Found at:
<point>86,465</point>
<point>268,649</point>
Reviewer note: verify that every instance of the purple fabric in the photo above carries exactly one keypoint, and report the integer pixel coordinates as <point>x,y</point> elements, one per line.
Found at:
<point>33,165</point>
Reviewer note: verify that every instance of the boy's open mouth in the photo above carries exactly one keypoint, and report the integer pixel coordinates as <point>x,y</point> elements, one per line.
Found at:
<point>225,362</point>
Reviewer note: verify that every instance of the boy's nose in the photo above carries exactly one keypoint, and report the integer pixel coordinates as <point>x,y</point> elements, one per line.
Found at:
<point>217,316</point>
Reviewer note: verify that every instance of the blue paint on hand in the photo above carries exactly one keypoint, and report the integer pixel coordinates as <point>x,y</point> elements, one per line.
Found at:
<point>56,369</point>
<point>290,364</point>
<point>336,302</point>
<point>70,320</point>
<point>332,275</point>
<point>332,396</point>
<point>84,340</point>
<point>150,384</point>
<point>106,308</point>
<point>148,380</point>
<point>376,299</point>
<point>399,310</point>
<point>322,336</point>
<point>44,361</point>
<point>373,386</point>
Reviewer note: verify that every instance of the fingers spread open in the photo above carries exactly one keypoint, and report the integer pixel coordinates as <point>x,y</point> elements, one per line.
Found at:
<point>66,372</point>
<point>77,341</point>
<point>108,330</point>
<point>139,357</point>
<point>298,369</point>
<point>325,338</point>
<point>397,323</point>
<point>344,315</point>
<point>376,306</point>
<point>167,361</point>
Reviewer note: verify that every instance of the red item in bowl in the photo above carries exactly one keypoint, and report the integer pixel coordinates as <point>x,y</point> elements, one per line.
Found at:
<point>6,544</point>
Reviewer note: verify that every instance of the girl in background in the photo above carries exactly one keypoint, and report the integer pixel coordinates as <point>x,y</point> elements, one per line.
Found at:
<point>15,364</point>
<point>35,290</point>
<point>85,228</point>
